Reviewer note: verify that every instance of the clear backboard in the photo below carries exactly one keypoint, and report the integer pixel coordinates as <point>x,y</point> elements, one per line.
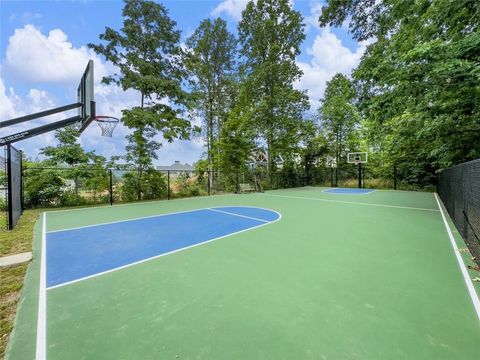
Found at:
<point>357,158</point>
<point>85,96</point>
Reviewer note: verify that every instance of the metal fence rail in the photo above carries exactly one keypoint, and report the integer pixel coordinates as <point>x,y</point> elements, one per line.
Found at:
<point>85,185</point>
<point>459,189</point>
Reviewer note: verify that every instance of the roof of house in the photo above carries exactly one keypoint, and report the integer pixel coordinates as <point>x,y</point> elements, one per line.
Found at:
<point>177,166</point>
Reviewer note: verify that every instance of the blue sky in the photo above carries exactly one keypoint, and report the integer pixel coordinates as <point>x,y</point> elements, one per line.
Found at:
<point>43,54</point>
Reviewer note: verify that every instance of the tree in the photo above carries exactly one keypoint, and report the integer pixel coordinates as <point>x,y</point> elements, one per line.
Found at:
<point>210,60</point>
<point>418,80</point>
<point>339,117</point>
<point>147,52</point>
<point>68,152</point>
<point>270,34</point>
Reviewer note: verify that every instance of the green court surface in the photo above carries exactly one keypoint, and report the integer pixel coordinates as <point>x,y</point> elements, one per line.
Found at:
<point>338,276</point>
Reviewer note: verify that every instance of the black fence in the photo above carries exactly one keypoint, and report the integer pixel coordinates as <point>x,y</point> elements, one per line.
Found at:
<point>48,186</point>
<point>459,189</point>
<point>53,186</point>
<point>40,187</point>
<point>11,197</point>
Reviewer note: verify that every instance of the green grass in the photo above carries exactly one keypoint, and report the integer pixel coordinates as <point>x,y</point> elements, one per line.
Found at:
<point>13,242</point>
<point>20,238</point>
<point>337,277</point>
<point>11,280</point>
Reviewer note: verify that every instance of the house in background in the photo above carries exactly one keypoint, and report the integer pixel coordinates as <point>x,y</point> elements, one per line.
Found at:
<point>177,168</point>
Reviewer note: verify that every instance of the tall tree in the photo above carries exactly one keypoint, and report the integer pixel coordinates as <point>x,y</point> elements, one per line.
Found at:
<point>339,117</point>
<point>210,59</point>
<point>270,33</point>
<point>147,53</point>
<point>67,151</point>
<point>82,165</point>
<point>418,80</point>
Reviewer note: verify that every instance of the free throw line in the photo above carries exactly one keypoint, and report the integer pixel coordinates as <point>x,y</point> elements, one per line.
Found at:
<point>243,216</point>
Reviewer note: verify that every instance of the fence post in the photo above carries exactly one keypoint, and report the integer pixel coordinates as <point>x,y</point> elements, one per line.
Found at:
<point>238,183</point>
<point>168,184</point>
<point>110,185</point>
<point>208,181</point>
<point>394,177</point>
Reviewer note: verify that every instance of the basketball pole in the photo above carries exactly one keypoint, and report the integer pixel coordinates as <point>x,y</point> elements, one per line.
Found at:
<point>359,175</point>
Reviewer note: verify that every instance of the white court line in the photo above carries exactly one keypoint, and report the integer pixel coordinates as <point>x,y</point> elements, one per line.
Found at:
<point>350,202</point>
<point>41,347</point>
<point>243,216</point>
<point>164,254</point>
<point>466,276</point>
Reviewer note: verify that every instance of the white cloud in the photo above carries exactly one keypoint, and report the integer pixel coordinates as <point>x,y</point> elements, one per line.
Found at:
<point>29,17</point>
<point>329,56</point>
<point>37,58</point>
<point>13,105</point>
<point>232,8</point>
<point>311,20</point>
<point>44,59</point>
<point>7,106</point>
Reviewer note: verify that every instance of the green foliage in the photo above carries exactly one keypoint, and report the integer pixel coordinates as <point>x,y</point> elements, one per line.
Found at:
<point>270,34</point>
<point>68,151</point>
<point>418,80</point>
<point>237,142</point>
<point>186,186</point>
<point>339,117</point>
<point>147,52</point>
<point>210,60</point>
<point>43,187</point>
<point>151,185</point>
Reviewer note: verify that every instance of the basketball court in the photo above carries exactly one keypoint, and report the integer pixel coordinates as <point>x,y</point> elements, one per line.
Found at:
<point>309,273</point>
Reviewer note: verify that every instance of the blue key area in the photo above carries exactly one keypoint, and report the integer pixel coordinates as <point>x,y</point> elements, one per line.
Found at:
<point>78,253</point>
<point>349,191</point>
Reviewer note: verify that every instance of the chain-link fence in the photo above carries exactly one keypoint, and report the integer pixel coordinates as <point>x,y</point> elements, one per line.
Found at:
<point>354,176</point>
<point>62,187</point>
<point>84,185</point>
<point>459,189</point>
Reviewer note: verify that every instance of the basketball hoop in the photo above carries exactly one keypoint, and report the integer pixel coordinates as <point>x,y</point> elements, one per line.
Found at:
<point>107,124</point>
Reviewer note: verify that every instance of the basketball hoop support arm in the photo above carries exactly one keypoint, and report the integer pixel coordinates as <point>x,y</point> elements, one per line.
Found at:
<point>22,135</point>
<point>39,115</point>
